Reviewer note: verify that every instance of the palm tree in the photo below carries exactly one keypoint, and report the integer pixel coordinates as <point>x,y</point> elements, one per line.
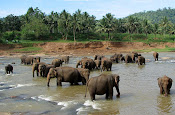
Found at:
<point>75,24</point>
<point>106,24</point>
<point>155,29</point>
<point>64,23</point>
<point>145,26</point>
<point>164,25</point>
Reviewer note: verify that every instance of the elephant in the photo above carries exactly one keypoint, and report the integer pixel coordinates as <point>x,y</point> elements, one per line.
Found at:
<point>44,69</point>
<point>98,57</point>
<point>106,64</point>
<point>8,69</point>
<point>23,57</point>
<point>141,60</point>
<point>28,60</point>
<point>84,75</point>
<point>57,62</point>
<point>123,58</point>
<point>35,67</point>
<point>114,58</point>
<point>65,59</point>
<point>97,63</point>
<point>165,84</point>
<point>156,55</point>
<point>86,63</point>
<point>36,59</point>
<point>128,59</point>
<point>103,84</point>
<point>63,74</point>
<point>133,56</point>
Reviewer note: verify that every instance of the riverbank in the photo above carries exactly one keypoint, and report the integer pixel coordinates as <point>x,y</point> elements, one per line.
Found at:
<point>83,49</point>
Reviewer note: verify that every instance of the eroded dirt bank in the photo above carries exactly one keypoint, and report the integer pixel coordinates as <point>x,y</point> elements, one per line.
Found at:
<point>90,48</point>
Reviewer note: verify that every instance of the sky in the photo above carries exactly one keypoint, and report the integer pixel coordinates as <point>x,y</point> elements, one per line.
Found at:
<point>98,8</point>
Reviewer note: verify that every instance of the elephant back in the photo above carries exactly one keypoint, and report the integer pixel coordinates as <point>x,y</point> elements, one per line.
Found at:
<point>57,62</point>
<point>29,60</point>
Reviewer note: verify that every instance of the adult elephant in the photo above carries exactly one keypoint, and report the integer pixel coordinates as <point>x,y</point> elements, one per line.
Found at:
<point>98,57</point>
<point>28,60</point>
<point>86,63</point>
<point>63,74</point>
<point>84,75</point>
<point>103,84</point>
<point>57,62</point>
<point>141,60</point>
<point>35,67</point>
<point>156,56</point>
<point>128,59</point>
<point>106,64</point>
<point>36,59</point>
<point>97,63</point>
<point>8,69</point>
<point>134,55</point>
<point>44,69</point>
<point>65,59</point>
<point>114,58</point>
<point>165,84</point>
<point>23,57</point>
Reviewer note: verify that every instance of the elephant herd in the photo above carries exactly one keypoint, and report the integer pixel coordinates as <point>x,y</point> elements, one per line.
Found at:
<point>99,85</point>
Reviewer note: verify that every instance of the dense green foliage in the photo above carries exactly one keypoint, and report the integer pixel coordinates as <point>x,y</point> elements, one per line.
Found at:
<point>156,16</point>
<point>35,25</point>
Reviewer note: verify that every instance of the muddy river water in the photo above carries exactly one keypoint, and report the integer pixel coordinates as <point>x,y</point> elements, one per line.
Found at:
<point>21,93</point>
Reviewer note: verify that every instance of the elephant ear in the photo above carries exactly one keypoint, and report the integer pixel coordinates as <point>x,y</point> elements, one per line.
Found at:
<point>170,80</point>
<point>117,79</point>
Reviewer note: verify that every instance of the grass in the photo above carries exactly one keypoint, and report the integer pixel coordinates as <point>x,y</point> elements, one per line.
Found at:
<point>28,49</point>
<point>167,49</point>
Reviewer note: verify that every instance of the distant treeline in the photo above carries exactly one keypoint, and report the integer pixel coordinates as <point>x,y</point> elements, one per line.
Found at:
<point>36,25</point>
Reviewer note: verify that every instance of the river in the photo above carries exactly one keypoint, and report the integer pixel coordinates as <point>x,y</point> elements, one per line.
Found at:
<point>21,93</point>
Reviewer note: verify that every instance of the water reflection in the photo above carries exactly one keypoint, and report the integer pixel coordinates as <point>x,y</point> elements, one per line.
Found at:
<point>164,104</point>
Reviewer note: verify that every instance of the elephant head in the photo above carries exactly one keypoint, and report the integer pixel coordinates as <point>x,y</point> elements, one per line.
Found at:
<point>116,83</point>
<point>35,68</point>
<point>165,84</point>
<point>78,63</point>
<point>84,74</point>
<point>52,74</point>
<point>42,69</point>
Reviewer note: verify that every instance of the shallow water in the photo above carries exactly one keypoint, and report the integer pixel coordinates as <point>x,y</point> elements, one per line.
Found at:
<point>21,93</point>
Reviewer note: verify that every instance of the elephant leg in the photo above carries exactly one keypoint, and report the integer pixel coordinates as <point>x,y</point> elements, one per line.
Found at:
<point>107,95</point>
<point>59,83</point>
<point>92,96</point>
<point>33,73</point>
<point>37,73</point>
<point>118,91</point>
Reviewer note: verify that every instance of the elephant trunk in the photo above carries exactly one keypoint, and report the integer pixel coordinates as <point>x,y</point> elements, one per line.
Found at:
<point>165,90</point>
<point>48,80</point>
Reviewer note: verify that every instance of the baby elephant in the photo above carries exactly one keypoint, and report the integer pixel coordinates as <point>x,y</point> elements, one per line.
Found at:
<point>165,84</point>
<point>8,69</point>
<point>156,56</point>
<point>103,84</point>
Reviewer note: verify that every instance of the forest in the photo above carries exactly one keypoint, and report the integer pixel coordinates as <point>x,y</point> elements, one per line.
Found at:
<point>35,25</point>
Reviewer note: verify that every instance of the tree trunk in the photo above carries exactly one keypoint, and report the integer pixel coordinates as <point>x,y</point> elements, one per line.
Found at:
<point>108,36</point>
<point>74,36</point>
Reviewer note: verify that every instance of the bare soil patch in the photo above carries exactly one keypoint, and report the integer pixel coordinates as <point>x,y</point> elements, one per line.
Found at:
<point>82,49</point>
